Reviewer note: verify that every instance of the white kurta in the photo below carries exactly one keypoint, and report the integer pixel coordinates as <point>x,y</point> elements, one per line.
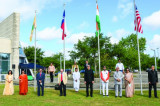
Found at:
<point>76,76</point>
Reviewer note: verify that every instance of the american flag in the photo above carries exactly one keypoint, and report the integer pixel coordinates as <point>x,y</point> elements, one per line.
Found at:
<point>138,20</point>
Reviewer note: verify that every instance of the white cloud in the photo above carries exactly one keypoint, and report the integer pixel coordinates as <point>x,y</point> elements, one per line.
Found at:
<point>27,7</point>
<point>73,39</point>
<point>48,53</point>
<point>121,33</point>
<point>126,7</point>
<point>49,33</point>
<point>83,25</point>
<point>114,19</point>
<point>23,44</point>
<point>155,42</point>
<point>152,44</point>
<point>117,35</point>
<point>152,21</point>
<point>66,52</point>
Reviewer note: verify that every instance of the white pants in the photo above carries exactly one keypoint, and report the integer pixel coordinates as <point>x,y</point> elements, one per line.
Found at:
<point>76,85</point>
<point>76,89</point>
<point>105,85</point>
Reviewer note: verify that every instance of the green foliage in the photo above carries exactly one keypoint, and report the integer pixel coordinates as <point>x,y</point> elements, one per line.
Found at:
<point>55,59</point>
<point>30,52</point>
<point>87,50</point>
<point>126,50</point>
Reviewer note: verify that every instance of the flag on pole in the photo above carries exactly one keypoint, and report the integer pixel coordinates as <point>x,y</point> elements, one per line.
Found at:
<point>137,21</point>
<point>33,27</point>
<point>98,27</point>
<point>63,26</point>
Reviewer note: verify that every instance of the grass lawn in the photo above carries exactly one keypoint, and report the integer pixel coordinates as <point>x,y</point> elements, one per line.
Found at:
<point>51,98</point>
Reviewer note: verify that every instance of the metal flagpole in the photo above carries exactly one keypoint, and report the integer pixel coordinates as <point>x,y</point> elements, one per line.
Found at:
<point>99,60</point>
<point>64,43</point>
<point>138,51</point>
<point>99,63</point>
<point>64,52</point>
<point>35,60</point>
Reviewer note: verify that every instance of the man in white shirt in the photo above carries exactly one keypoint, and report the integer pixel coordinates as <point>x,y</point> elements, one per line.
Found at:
<point>76,79</point>
<point>105,80</point>
<point>51,71</point>
<point>120,65</point>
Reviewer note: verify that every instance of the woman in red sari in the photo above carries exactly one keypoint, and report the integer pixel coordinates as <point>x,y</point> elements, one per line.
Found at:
<point>23,83</point>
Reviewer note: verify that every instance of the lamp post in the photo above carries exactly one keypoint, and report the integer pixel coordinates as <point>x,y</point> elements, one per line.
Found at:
<point>158,52</point>
<point>60,62</point>
<point>155,58</point>
<point>157,55</point>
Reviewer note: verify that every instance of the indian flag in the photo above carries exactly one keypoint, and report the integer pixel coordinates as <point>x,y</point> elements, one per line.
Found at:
<point>33,27</point>
<point>98,27</point>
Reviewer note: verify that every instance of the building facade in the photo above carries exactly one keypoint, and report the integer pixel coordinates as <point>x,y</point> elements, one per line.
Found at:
<point>9,44</point>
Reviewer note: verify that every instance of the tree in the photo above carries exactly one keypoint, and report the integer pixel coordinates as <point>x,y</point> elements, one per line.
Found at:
<point>87,49</point>
<point>127,50</point>
<point>30,51</point>
<point>55,59</point>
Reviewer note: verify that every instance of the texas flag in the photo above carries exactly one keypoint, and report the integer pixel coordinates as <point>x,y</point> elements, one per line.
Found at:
<point>63,26</point>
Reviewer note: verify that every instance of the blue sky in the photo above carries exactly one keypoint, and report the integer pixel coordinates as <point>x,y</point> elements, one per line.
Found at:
<point>116,21</point>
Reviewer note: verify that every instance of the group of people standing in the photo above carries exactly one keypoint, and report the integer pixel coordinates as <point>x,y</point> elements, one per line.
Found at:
<point>23,84</point>
<point>118,76</point>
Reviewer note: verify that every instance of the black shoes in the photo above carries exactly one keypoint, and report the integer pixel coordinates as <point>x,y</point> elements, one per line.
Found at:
<point>119,96</point>
<point>155,97</point>
<point>87,96</point>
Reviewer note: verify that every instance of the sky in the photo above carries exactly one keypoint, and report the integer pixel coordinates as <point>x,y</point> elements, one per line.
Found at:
<point>116,16</point>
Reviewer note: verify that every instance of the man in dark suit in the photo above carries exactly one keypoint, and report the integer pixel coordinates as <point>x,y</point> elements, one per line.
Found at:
<point>40,81</point>
<point>86,64</point>
<point>152,80</point>
<point>89,80</point>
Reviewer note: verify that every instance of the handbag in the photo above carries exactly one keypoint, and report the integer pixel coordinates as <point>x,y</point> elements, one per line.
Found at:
<point>57,87</point>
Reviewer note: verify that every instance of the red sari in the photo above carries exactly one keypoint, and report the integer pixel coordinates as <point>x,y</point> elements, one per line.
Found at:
<point>23,84</point>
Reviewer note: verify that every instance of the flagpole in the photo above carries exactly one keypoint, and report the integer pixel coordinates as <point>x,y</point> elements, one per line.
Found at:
<point>138,51</point>
<point>35,60</point>
<point>99,61</point>
<point>64,44</point>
